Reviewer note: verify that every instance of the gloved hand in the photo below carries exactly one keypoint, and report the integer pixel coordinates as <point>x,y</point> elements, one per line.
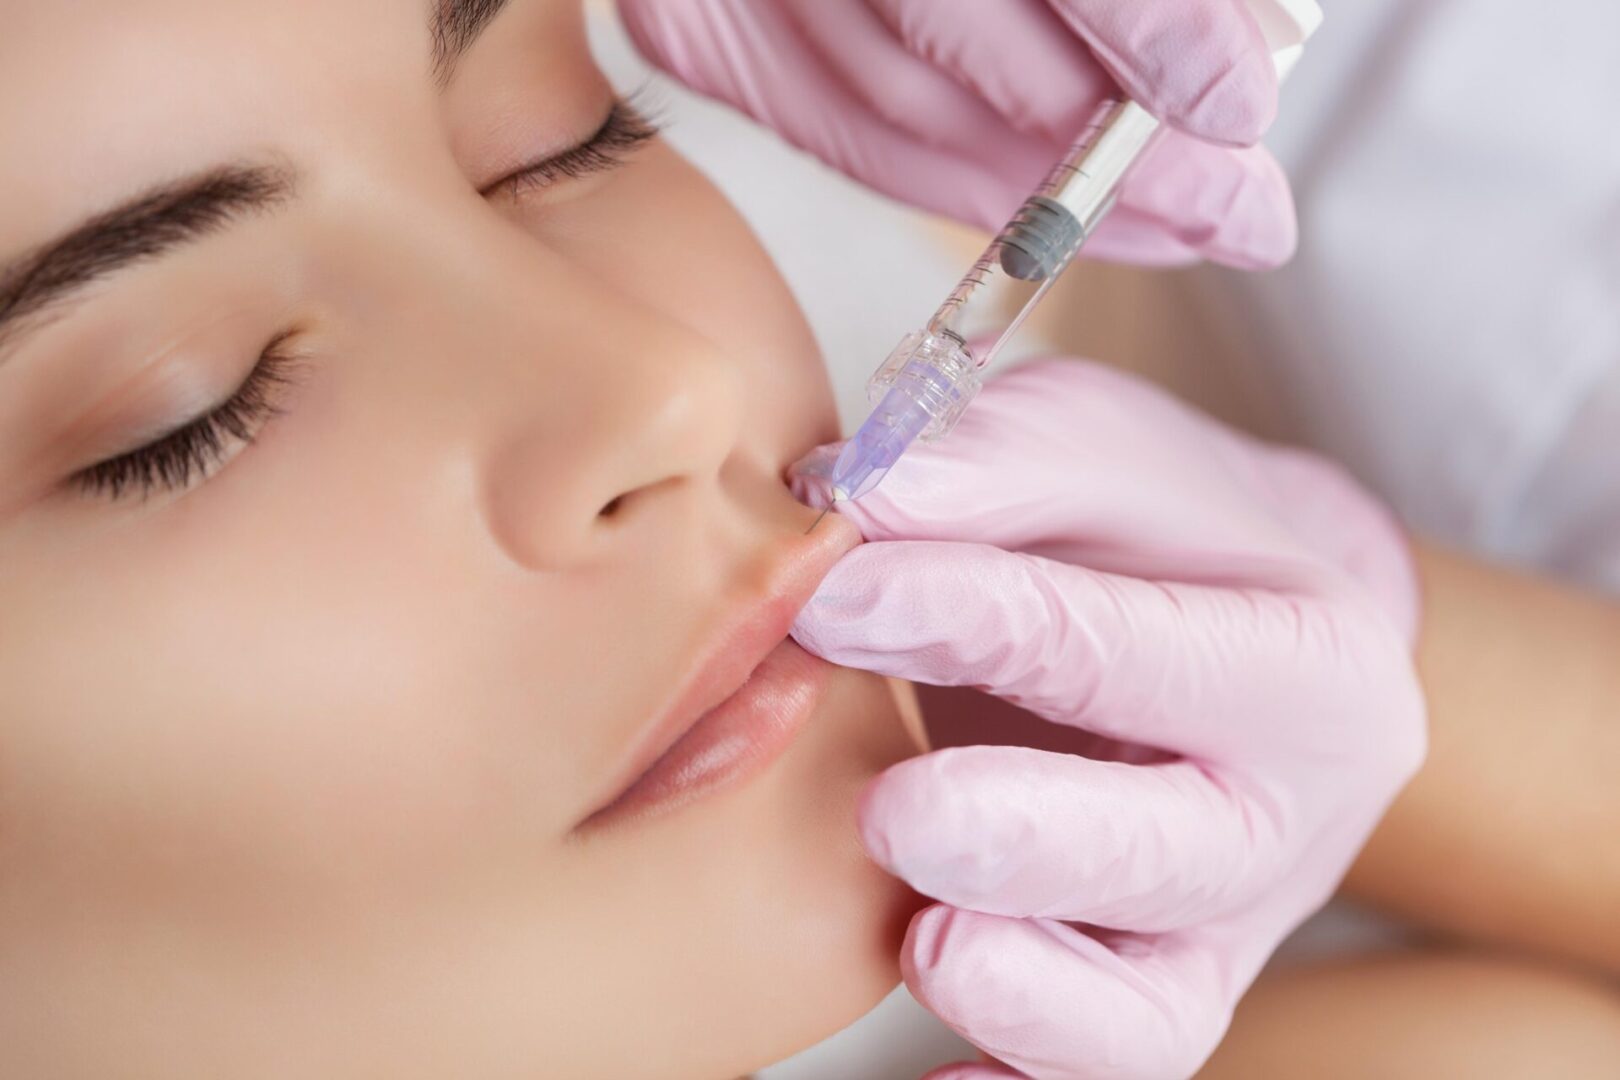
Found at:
<point>1088,548</point>
<point>962,106</point>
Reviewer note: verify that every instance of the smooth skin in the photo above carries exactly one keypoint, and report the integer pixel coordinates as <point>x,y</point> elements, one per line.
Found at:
<point>1518,802</point>
<point>293,760</point>
<point>1417,1016</point>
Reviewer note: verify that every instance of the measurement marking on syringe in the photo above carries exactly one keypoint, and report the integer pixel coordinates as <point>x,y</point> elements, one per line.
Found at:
<point>1074,169</point>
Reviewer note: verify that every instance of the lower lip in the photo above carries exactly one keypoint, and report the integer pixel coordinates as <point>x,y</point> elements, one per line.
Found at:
<point>733,741</point>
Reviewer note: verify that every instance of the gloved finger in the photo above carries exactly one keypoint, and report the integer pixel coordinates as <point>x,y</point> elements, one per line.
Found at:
<point>968,1070</point>
<point>1059,1004</point>
<point>1232,206</point>
<point>714,46</point>
<point>1007,830</point>
<point>1015,55</point>
<point>1047,479</point>
<point>1128,237</point>
<point>1202,66</point>
<point>915,96</point>
<point>1119,656</point>
<point>1337,520</point>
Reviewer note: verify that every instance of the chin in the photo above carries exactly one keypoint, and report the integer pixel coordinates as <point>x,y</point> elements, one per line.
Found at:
<point>772,930</point>
<point>853,920</point>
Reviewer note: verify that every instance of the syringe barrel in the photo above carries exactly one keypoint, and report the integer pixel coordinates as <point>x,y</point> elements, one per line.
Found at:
<point>1050,227</point>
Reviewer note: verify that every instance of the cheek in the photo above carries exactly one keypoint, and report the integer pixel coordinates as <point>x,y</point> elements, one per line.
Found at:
<point>302,714</point>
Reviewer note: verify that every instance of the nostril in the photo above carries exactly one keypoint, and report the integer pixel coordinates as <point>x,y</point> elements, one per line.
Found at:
<point>611,508</point>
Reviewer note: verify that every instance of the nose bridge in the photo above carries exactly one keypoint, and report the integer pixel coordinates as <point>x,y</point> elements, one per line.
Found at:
<point>603,412</point>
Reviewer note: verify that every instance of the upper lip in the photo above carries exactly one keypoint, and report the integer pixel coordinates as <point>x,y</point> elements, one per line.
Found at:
<point>742,640</point>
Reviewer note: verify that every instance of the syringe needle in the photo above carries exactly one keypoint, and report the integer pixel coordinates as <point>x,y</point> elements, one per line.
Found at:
<point>819,516</point>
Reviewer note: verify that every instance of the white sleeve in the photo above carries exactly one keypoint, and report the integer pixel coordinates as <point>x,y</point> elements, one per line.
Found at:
<point>1568,519</point>
<point>1450,328</point>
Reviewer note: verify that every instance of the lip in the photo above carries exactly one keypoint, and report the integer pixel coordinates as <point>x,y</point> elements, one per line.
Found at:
<point>751,693</point>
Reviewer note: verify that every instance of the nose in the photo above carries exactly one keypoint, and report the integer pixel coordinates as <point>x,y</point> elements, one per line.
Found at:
<point>624,426</point>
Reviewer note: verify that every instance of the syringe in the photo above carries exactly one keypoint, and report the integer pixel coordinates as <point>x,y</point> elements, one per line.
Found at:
<point>932,375</point>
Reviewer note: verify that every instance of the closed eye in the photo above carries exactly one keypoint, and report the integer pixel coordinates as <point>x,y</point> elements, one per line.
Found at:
<point>620,134</point>
<point>197,448</point>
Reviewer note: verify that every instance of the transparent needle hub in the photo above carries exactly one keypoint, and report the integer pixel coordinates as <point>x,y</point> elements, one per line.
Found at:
<point>918,393</point>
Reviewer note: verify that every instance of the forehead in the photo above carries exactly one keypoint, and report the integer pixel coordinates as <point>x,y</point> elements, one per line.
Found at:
<point>98,98</point>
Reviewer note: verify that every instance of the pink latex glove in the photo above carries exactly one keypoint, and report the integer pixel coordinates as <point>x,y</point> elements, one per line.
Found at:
<point>1088,548</point>
<point>962,106</point>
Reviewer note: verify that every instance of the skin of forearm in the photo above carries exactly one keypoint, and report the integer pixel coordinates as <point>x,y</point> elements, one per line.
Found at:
<point>1511,831</point>
<point>1436,1013</point>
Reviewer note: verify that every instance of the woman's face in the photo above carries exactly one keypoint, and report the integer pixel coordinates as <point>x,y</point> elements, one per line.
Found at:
<point>388,474</point>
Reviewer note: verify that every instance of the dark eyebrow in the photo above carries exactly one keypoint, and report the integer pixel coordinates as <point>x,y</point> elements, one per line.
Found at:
<point>456,25</point>
<point>148,226</point>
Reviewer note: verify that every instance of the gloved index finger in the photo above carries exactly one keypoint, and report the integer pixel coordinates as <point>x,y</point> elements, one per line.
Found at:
<point>1076,462</point>
<point>1016,55</point>
<point>916,96</point>
<point>1130,659</point>
<point>751,55</point>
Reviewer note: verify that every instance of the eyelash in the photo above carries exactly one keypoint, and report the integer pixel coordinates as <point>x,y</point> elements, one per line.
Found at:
<point>185,455</point>
<point>623,132</point>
